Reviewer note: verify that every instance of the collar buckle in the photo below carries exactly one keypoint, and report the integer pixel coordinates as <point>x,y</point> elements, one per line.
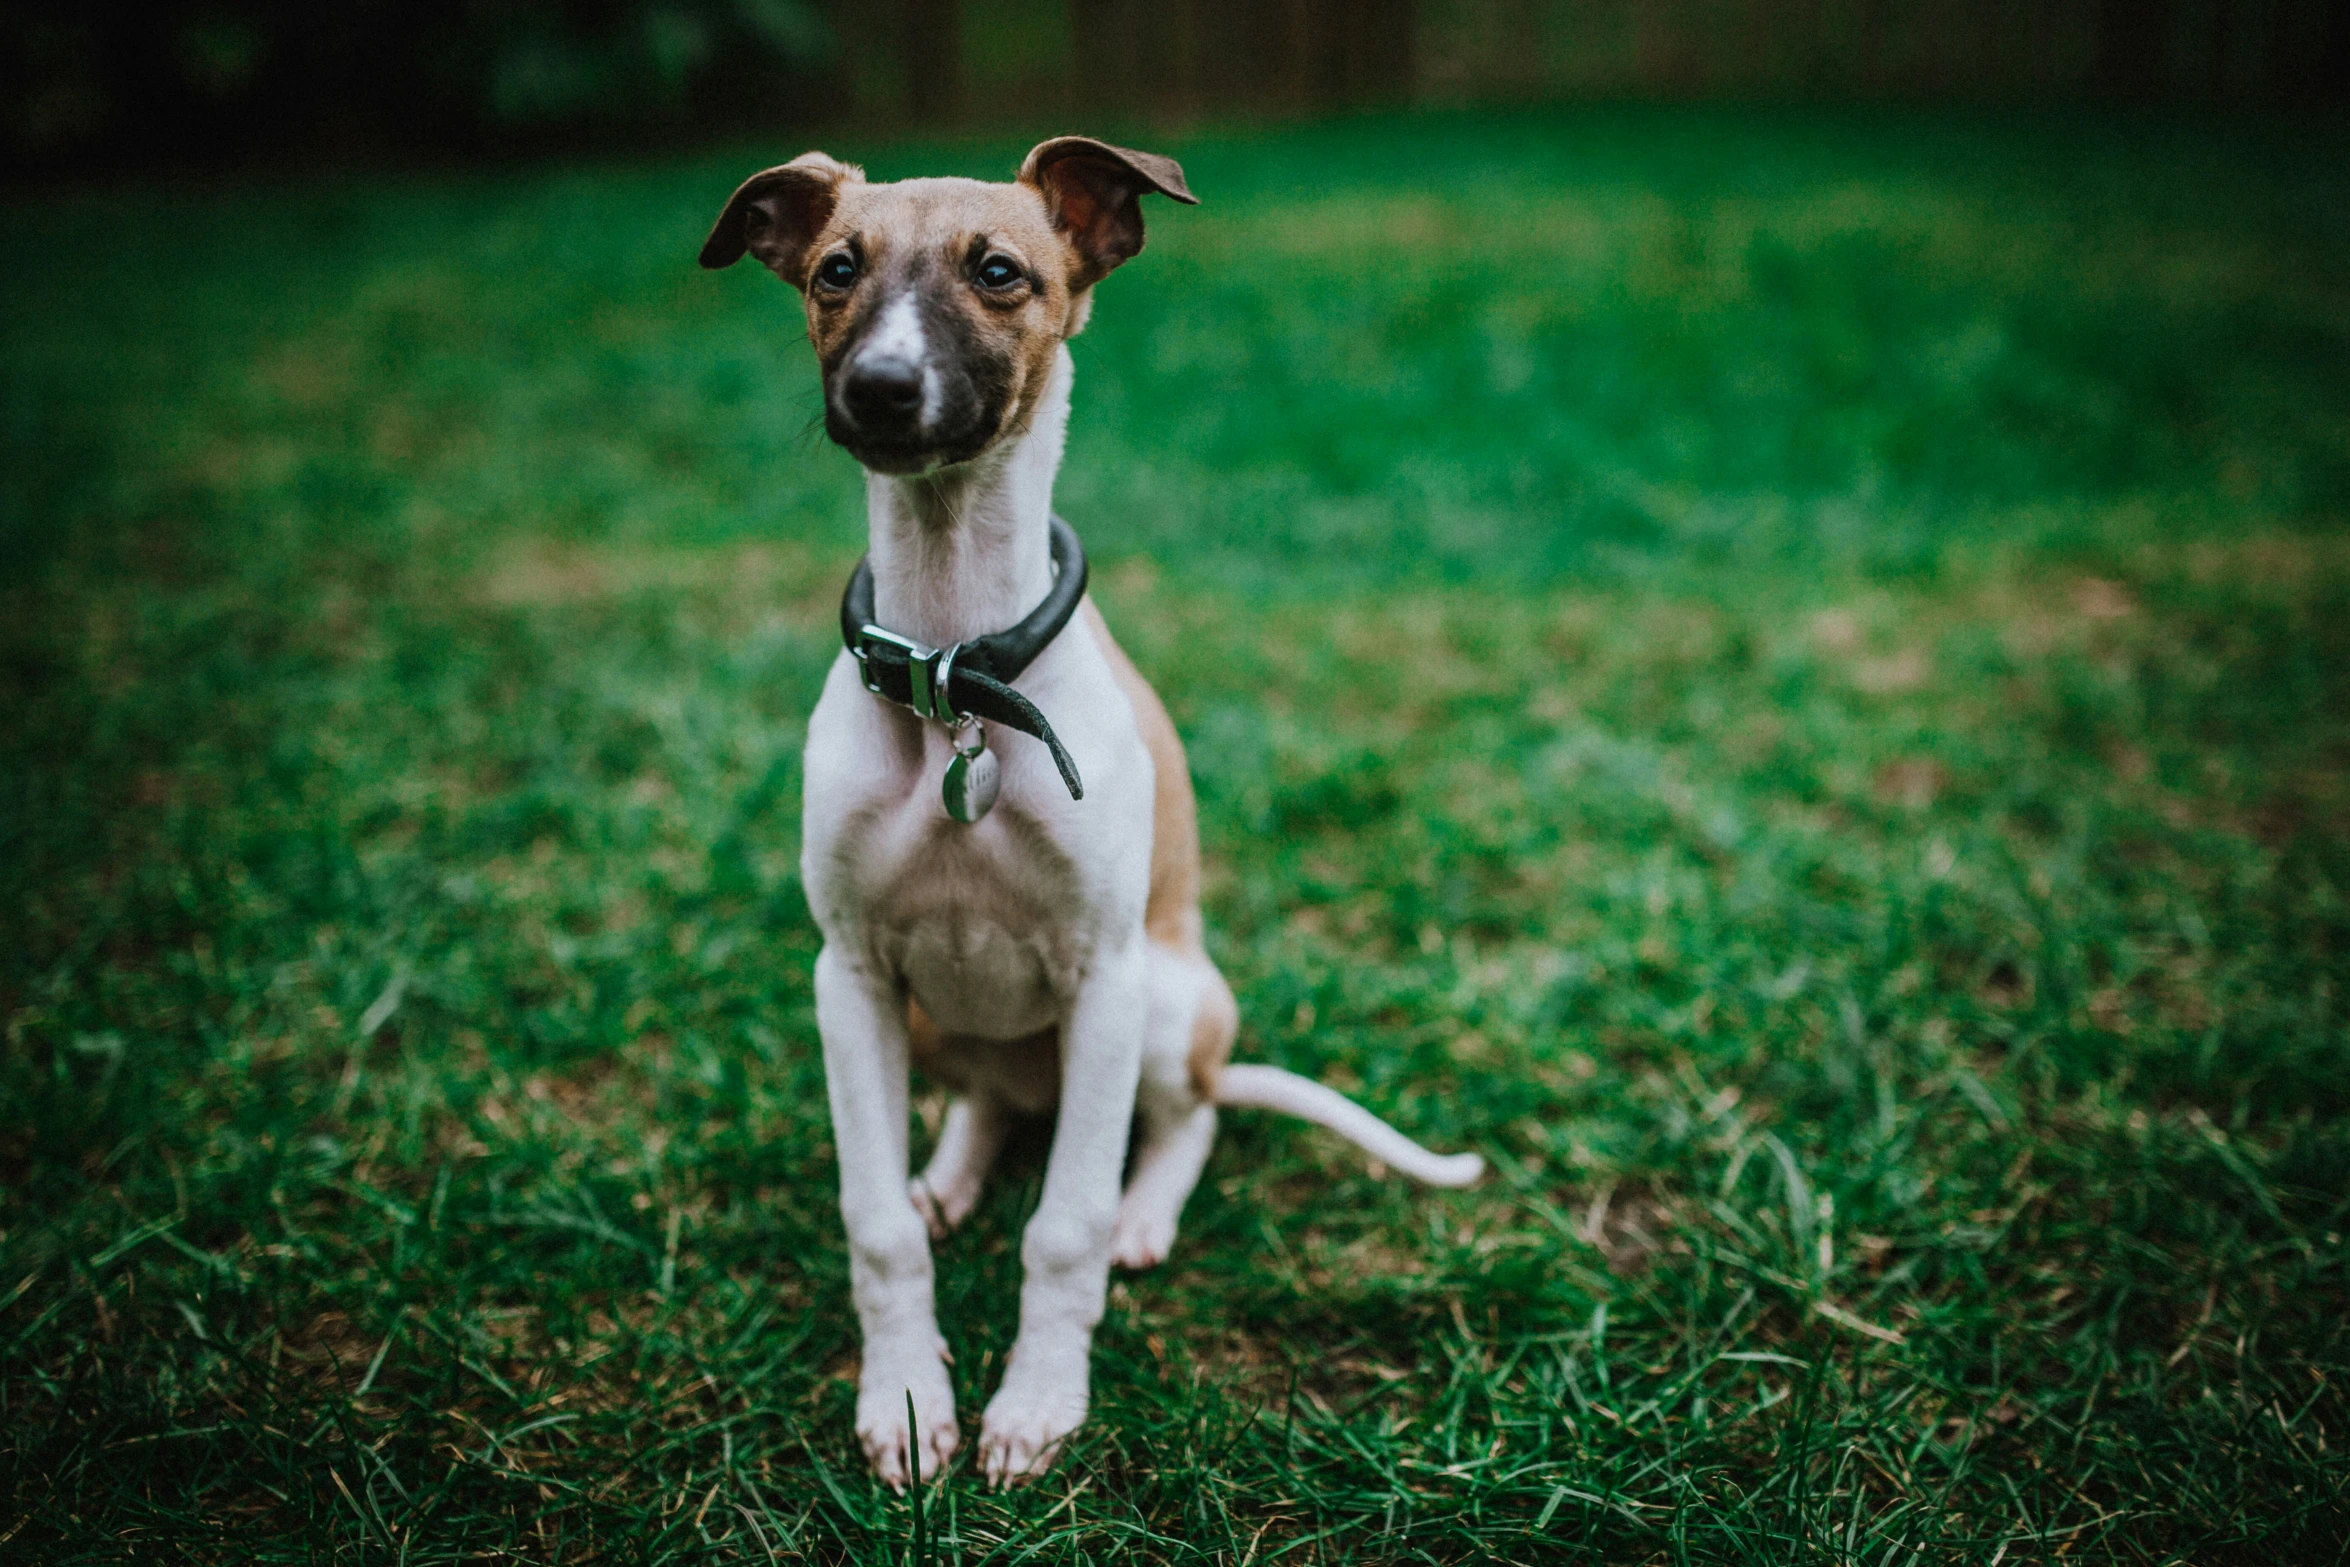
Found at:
<point>928,669</point>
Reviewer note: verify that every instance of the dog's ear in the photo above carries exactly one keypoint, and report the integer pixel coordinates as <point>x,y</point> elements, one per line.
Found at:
<point>777,213</point>
<point>1094,192</point>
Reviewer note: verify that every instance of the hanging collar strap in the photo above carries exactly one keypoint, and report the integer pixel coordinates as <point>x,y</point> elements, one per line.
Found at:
<point>971,679</point>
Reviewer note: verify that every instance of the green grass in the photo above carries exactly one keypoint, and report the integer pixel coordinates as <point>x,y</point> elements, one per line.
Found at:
<point>1786,678</point>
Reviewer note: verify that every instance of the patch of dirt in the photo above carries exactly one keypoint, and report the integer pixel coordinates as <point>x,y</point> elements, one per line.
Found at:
<point>2094,598</point>
<point>783,580</point>
<point>1913,783</point>
<point>1628,1225</point>
<point>330,1349</point>
<point>1836,631</point>
<point>1903,670</point>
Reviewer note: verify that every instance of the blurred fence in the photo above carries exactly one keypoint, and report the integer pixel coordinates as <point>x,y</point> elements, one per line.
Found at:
<point>1189,56</point>
<point>221,79</point>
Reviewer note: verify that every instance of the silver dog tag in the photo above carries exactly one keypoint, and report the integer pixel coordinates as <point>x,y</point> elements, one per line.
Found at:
<point>971,780</point>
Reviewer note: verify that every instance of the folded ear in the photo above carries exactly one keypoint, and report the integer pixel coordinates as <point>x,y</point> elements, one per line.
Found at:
<point>777,213</point>
<point>1094,192</point>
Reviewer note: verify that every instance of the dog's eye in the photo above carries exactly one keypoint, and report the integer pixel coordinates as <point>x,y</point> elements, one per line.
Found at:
<point>996,272</point>
<point>838,270</point>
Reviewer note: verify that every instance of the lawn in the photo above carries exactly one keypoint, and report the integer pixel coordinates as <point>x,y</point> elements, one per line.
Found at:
<point>1785,677</point>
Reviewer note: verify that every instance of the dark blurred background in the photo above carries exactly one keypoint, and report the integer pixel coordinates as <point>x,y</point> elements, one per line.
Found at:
<point>95,84</point>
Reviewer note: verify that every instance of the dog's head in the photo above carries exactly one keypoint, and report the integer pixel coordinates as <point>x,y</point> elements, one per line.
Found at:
<point>937,305</point>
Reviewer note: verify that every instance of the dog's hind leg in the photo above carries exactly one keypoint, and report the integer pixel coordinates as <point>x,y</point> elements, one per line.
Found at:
<point>1192,1017</point>
<point>945,1192</point>
<point>1175,1144</point>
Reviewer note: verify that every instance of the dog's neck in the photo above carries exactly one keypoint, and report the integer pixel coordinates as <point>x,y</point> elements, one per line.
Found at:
<point>963,551</point>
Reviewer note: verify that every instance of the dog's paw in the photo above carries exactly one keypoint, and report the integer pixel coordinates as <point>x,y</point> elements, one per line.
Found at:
<point>1024,1426</point>
<point>882,1428</point>
<point>943,1206</point>
<point>1144,1236</point>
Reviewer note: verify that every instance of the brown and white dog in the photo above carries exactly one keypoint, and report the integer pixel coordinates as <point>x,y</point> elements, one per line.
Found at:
<point>1048,955</point>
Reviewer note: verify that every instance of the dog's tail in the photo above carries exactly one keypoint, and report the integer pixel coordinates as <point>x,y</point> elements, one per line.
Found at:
<point>1270,1088</point>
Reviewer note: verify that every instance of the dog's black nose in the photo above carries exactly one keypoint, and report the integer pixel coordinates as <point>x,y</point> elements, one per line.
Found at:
<point>883,393</point>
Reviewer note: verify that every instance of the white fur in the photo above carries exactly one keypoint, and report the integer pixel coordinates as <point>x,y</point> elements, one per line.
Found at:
<point>1032,918</point>
<point>898,334</point>
<point>1270,1088</point>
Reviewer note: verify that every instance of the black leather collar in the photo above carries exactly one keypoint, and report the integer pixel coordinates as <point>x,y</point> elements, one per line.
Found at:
<point>971,679</point>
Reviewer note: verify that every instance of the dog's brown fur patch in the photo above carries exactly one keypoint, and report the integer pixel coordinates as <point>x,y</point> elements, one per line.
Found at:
<point>1172,916</point>
<point>1213,1029</point>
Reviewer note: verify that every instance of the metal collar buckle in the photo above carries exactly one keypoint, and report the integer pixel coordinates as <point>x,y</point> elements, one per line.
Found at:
<point>928,669</point>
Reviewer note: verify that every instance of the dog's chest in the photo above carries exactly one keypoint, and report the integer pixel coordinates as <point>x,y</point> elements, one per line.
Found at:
<point>976,920</point>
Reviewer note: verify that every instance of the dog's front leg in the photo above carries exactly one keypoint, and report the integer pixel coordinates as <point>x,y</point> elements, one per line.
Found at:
<point>1065,1253</point>
<point>863,1021</point>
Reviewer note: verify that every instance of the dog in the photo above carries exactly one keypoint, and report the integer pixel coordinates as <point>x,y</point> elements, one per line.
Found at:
<point>1045,954</point>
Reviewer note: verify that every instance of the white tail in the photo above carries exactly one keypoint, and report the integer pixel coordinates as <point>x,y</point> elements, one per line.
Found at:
<point>1270,1088</point>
